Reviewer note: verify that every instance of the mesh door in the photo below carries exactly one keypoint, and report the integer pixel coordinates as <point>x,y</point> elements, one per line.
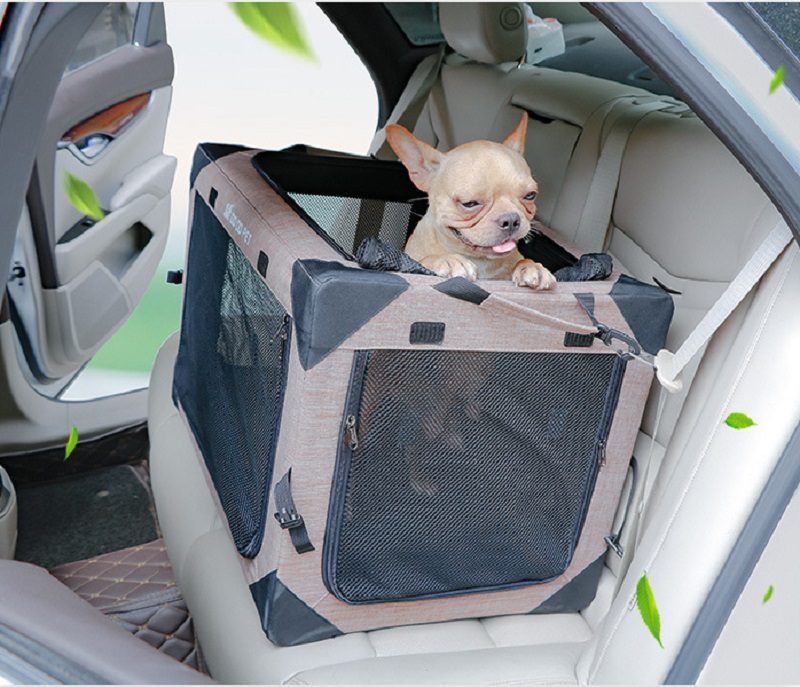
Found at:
<point>465,471</point>
<point>230,374</point>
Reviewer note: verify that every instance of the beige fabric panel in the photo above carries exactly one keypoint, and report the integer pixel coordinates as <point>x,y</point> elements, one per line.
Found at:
<point>265,222</point>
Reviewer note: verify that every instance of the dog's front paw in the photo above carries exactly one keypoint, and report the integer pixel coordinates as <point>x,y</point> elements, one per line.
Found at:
<point>451,265</point>
<point>532,274</point>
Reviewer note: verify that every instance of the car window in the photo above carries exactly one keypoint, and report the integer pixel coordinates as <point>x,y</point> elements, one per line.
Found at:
<point>784,19</point>
<point>419,21</point>
<point>112,29</point>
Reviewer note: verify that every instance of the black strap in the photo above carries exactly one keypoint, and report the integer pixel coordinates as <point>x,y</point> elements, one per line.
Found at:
<point>288,517</point>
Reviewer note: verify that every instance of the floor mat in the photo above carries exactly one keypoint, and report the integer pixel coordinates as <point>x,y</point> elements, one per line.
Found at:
<point>136,588</point>
<point>83,516</point>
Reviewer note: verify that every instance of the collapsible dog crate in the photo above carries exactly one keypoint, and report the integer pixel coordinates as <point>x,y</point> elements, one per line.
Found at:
<point>394,448</point>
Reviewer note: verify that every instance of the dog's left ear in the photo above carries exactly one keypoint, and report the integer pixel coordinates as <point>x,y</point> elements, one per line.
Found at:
<point>516,139</point>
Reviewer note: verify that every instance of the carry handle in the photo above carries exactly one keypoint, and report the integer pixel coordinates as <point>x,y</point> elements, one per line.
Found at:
<point>458,287</point>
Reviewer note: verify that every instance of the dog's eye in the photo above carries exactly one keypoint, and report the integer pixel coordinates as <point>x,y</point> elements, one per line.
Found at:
<point>469,204</point>
<point>530,196</point>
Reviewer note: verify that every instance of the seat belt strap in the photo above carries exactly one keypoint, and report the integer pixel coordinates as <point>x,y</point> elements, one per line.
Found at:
<point>596,214</point>
<point>409,107</point>
<point>670,365</point>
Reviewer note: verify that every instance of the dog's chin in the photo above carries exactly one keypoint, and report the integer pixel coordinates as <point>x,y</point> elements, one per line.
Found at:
<point>497,249</point>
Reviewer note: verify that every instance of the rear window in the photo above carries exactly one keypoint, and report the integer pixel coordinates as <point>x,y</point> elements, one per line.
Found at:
<point>784,19</point>
<point>419,21</point>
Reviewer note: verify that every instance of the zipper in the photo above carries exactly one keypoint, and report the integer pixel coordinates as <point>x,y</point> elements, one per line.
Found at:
<point>347,446</point>
<point>351,436</point>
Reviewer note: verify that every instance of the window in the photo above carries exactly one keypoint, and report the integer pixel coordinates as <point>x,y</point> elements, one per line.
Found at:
<point>112,29</point>
<point>419,21</point>
<point>784,19</point>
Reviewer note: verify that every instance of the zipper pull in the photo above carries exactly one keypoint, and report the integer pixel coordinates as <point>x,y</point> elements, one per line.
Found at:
<point>350,431</point>
<point>602,453</point>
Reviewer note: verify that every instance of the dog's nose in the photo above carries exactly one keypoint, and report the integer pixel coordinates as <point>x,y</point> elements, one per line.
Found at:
<point>509,222</point>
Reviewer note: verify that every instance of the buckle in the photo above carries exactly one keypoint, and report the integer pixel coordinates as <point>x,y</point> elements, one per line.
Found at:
<point>289,519</point>
<point>612,541</point>
<point>607,336</point>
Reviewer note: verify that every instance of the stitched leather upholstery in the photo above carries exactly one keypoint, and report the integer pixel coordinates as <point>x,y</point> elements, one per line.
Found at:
<point>136,588</point>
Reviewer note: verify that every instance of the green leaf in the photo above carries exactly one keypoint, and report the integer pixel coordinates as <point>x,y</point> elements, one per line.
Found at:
<point>647,608</point>
<point>739,421</point>
<point>777,79</point>
<point>275,22</point>
<point>82,197</point>
<point>767,595</point>
<point>72,442</point>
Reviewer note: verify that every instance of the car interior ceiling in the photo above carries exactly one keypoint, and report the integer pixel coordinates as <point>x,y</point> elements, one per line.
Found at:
<point>87,519</point>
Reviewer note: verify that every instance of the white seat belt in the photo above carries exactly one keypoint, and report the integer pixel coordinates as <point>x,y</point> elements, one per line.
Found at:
<point>670,365</point>
<point>596,214</point>
<point>411,103</point>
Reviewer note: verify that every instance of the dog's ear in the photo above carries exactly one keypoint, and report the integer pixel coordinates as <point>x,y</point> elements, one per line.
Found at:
<point>420,159</point>
<point>516,139</point>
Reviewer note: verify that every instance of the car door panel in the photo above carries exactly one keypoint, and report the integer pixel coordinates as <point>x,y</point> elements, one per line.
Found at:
<point>106,126</point>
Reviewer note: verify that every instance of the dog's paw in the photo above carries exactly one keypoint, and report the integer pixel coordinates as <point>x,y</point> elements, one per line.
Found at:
<point>451,265</point>
<point>533,275</point>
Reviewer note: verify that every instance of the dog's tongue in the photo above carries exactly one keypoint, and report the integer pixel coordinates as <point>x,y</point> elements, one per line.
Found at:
<point>505,247</point>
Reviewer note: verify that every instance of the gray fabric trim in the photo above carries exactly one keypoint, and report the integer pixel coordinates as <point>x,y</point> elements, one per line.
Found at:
<point>646,308</point>
<point>463,289</point>
<point>286,620</point>
<point>577,594</point>
<point>746,552</point>
<point>331,301</point>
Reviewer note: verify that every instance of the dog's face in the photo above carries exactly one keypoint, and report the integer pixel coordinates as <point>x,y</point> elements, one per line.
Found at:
<point>481,194</point>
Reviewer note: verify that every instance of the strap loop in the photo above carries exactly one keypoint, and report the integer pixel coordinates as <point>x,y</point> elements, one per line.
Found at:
<point>288,517</point>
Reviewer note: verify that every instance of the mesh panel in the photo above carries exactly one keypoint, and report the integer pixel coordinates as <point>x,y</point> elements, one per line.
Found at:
<point>230,374</point>
<point>473,470</point>
<point>348,221</point>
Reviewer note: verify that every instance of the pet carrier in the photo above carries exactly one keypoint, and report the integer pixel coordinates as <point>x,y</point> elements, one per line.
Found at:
<point>389,447</point>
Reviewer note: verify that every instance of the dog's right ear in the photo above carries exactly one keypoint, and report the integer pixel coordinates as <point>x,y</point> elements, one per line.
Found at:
<point>420,159</point>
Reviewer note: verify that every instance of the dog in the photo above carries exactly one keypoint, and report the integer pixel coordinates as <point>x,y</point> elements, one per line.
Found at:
<point>481,201</point>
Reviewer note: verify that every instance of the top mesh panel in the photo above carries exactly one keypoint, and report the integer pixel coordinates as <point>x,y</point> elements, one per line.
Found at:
<point>348,221</point>
<point>230,374</point>
<point>473,470</point>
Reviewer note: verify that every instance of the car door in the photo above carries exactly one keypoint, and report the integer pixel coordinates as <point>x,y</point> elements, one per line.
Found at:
<point>74,278</point>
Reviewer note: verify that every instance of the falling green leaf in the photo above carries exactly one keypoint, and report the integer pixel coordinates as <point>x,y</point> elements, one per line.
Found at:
<point>72,442</point>
<point>647,607</point>
<point>767,595</point>
<point>777,79</point>
<point>82,197</point>
<point>739,421</point>
<point>275,22</point>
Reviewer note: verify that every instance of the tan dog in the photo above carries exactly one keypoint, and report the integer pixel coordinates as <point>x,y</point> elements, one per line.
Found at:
<point>480,203</point>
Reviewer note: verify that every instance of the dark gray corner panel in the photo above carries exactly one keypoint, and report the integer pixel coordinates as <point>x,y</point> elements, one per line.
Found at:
<point>577,594</point>
<point>286,620</point>
<point>331,301</point>
<point>646,308</point>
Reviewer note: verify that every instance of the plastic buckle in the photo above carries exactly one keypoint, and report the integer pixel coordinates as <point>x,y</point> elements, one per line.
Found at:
<point>613,543</point>
<point>289,519</point>
<point>607,336</point>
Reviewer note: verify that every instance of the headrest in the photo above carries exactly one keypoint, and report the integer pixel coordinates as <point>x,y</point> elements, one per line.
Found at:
<point>488,32</point>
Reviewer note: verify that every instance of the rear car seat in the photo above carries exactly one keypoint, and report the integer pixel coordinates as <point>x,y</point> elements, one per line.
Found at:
<point>687,214</point>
